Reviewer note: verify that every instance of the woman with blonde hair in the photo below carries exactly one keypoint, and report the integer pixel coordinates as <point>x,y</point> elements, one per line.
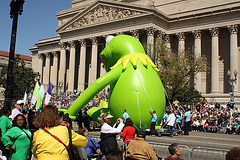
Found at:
<point>52,141</point>
<point>108,141</point>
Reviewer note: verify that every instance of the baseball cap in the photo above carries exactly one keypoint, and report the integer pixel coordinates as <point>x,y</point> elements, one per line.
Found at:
<point>108,116</point>
<point>20,102</point>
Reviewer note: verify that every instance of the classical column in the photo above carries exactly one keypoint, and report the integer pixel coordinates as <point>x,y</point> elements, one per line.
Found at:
<point>150,41</point>
<point>233,29</point>
<point>215,61</point>
<point>46,74</point>
<point>54,73</point>
<point>181,42</point>
<point>197,52</point>
<point>62,71</point>
<point>71,77</point>
<point>158,47</point>
<point>81,70</point>
<point>135,33</point>
<point>41,59</point>
<point>93,68</point>
<point>102,65</point>
<point>167,41</point>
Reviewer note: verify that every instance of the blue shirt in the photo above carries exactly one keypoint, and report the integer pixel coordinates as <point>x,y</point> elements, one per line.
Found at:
<point>154,118</point>
<point>178,118</point>
<point>101,114</point>
<point>187,115</point>
<point>91,148</point>
<point>125,116</point>
<point>165,117</point>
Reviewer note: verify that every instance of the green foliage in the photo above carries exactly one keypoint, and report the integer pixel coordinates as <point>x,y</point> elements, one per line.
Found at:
<point>177,71</point>
<point>23,76</point>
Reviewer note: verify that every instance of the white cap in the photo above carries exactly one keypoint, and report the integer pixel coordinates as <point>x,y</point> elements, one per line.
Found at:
<point>20,102</point>
<point>109,116</point>
<point>109,38</point>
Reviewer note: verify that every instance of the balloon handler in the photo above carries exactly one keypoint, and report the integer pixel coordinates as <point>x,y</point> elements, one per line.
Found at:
<point>134,83</point>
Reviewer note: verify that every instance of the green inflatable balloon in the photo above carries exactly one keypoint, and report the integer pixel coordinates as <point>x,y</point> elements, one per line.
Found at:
<point>135,84</point>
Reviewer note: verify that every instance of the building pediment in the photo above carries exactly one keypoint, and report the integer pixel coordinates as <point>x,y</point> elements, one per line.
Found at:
<point>100,13</point>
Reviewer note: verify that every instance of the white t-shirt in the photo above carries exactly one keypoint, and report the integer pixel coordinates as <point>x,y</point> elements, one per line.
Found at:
<point>106,128</point>
<point>171,119</point>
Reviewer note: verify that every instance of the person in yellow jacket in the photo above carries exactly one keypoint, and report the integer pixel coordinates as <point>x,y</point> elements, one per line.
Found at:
<point>47,147</point>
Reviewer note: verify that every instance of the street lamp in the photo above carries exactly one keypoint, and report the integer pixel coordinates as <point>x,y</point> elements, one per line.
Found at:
<point>60,85</point>
<point>16,8</point>
<point>231,81</point>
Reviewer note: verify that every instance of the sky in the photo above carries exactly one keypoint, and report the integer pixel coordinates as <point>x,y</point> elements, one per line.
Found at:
<point>38,21</point>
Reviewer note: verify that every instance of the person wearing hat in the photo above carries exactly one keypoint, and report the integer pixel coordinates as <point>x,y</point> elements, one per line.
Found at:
<point>140,149</point>
<point>17,110</point>
<point>108,141</point>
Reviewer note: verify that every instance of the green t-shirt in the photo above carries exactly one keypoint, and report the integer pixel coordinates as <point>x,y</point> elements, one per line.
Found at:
<point>5,124</point>
<point>16,137</point>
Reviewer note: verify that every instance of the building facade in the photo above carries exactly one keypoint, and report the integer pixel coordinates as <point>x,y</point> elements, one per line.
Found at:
<point>4,57</point>
<point>71,60</point>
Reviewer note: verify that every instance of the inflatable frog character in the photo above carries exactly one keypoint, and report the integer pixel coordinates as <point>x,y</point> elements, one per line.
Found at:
<point>134,83</point>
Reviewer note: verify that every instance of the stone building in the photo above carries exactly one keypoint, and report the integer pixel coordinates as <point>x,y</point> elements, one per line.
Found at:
<point>4,57</point>
<point>72,60</point>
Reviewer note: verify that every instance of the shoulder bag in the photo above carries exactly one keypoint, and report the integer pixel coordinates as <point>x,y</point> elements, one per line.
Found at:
<point>74,154</point>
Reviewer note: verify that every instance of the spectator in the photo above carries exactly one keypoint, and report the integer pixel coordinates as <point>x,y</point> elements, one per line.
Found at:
<point>92,145</point>
<point>17,110</point>
<point>140,149</point>
<point>128,131</point>
<point>46,146</point>
<point>2,148</point>
<point>153,122</point>
<point>233,154</point>
<point>116,155</point>
<point>18,138</point>
<point>196,125</point>
<point>175,152</point>
<point>108,141</point>
<point>64,118</point>
<point>5,123</point>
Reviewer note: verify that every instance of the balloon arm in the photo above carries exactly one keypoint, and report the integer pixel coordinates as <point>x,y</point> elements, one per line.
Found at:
<point>93,90</point>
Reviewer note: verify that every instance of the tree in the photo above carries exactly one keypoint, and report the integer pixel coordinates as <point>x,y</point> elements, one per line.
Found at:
<point>177,71</point>
<point>23,76</point>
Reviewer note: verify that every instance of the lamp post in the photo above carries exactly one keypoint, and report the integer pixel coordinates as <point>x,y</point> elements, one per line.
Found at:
<point>16,8</point>
<point>60,85</point>
<point>231,81</point>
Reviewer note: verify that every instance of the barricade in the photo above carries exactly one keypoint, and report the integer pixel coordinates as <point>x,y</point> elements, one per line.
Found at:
<point>205,153</point>
<point>119,141</point>
<point>161,150</point>
<point>197,153</point>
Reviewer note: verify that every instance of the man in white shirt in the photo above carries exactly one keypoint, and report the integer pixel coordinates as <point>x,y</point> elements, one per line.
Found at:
<point>17,110</point>
<point>170,122</point>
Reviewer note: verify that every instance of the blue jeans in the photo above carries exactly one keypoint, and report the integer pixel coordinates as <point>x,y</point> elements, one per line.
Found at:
<point>170,129</point>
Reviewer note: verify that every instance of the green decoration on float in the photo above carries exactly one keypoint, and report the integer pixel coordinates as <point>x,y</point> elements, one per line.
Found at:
<point>134,83</point>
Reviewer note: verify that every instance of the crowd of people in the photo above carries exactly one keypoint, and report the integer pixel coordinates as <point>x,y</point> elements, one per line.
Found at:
<point>47,134</point>
<point>65,100</point>
<point>203,117</point>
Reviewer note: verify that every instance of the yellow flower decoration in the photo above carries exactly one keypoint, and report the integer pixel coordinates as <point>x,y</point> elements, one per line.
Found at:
<point>133,58</point>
